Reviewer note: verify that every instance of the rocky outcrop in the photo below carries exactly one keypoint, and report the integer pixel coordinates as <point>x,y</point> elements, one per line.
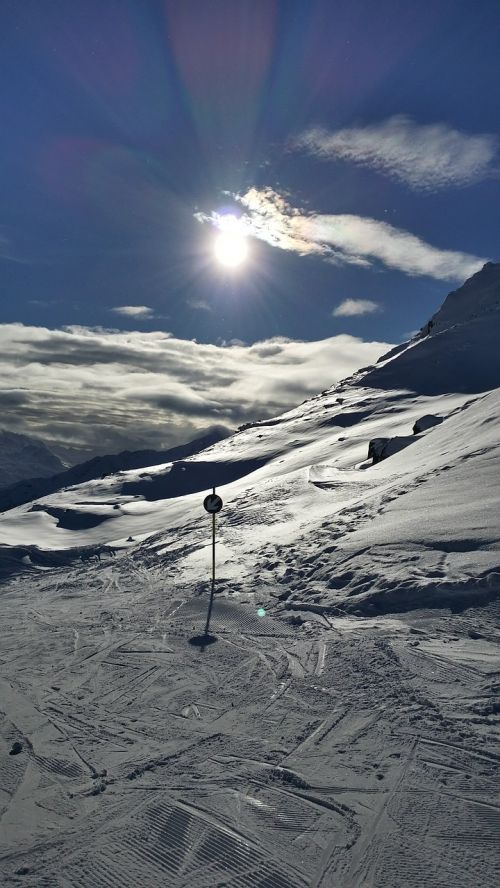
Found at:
<point>376,449</point>
<point>426,422</point>
<point>381,448</point>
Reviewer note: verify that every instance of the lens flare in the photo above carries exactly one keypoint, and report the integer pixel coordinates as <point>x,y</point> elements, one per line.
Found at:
<point>231,245</point>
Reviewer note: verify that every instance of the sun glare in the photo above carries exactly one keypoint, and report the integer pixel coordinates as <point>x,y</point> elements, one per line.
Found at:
<point>231,247</point>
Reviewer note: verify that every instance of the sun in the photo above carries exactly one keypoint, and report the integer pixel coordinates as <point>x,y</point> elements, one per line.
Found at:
<point>231,243</point>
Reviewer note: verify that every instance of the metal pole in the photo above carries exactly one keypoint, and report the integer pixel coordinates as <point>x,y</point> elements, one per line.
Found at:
<point>213,551</point>
<point>213,547</point>
<point>212,591</point>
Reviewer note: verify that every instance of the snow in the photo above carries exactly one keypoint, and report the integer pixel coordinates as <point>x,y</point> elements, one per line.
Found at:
<point>98,467</point>
<point>479,296</point>
<point>24,457</point>
<point>342,729</point>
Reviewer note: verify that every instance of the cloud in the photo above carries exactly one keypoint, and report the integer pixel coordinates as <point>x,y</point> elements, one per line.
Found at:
<point>351,307</point>
<point>348,239</point>
<point>198,304</point>
<point>134,311</point>
<point>92,391</point>
<point>425,157</point>
<point>13,398</point>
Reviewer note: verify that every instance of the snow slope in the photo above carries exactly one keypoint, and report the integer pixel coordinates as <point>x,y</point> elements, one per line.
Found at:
<point>342,729</point>
<point>479,296</point>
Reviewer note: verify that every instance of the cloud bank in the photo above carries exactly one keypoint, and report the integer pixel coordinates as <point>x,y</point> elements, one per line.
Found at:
<point>343,238</point>
<point>86,391</point>
<point>425,157</point>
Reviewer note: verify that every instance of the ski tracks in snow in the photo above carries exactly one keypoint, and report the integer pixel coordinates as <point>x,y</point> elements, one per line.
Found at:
<point>288,754</point>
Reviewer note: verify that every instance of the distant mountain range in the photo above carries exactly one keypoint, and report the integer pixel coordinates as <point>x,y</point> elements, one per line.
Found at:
<point>25,457</point>
<point>35,462</point>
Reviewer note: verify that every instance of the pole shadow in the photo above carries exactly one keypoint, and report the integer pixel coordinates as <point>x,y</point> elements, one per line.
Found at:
<point>202,641</point>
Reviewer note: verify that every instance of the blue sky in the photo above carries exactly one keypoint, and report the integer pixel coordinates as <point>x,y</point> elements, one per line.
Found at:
<point>357,141</point>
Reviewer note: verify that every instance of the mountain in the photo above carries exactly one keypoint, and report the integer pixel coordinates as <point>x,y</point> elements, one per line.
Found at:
<point>311,464</point>
<point>24,457</point>
<point>338,723</point>
<point>100,467</point>
<point>478,297</point>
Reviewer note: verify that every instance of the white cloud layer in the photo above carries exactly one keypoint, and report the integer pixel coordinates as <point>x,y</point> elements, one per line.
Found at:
<point>98,391</point>
<point>133,311</point>
<point>343,238</point>
<point>352,307</point>
<point>425,157</point>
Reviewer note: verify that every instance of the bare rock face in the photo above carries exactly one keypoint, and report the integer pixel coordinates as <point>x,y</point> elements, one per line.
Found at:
<point>381,448</point>
<point>376,449</point>
<point>426,422</point>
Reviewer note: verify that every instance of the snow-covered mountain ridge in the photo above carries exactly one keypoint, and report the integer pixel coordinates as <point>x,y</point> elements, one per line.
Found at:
<point>25,457</point>
<point>478,296</point>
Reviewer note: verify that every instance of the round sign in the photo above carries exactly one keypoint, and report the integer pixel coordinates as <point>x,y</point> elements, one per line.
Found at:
<point>212,503</point>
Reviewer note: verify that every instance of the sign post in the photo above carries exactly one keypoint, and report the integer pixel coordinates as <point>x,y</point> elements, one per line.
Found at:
<point>212,504</point>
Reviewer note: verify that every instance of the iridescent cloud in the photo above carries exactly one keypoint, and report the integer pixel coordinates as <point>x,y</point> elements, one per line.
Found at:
<point>345,238</point>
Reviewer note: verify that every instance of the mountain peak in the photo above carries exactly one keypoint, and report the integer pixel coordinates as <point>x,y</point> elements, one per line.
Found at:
<point>479,295</point>
<point>22,457</point>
